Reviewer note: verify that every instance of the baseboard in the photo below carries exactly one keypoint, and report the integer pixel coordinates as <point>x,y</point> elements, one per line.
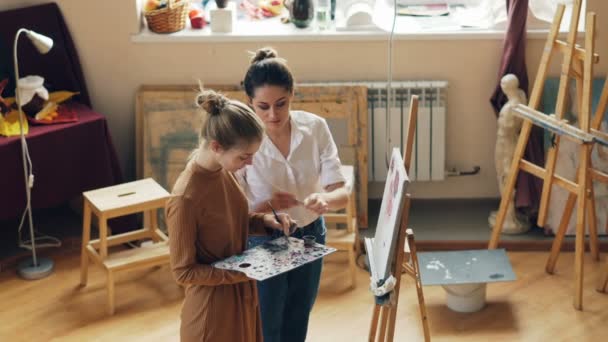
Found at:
<point>511,246</point>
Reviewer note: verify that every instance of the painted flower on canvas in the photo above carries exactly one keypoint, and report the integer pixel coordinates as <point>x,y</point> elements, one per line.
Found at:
<point>394,187</point>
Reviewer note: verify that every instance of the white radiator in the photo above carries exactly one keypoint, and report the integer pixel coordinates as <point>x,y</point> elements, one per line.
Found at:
<point>428,157</point>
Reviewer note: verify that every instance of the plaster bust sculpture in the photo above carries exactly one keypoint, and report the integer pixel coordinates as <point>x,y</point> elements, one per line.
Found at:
<point>509,126</point>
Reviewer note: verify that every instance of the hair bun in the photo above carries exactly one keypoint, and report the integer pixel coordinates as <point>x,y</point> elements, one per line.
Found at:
<point>211,102</point>
<point>262,54</point>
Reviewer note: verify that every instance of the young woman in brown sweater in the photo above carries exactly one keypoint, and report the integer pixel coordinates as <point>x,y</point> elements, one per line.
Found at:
<point>209,220</point>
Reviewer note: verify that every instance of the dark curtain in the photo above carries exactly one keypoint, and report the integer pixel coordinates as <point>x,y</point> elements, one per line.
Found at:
<point>513,61</point>
<point>60,67</point>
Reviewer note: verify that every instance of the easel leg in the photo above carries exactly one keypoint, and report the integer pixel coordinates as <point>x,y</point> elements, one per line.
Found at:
<point>416,275</point>
<point>592,224</point>
<point>422,307</point>
<point>585,156</point>
<point>510,184</point>
<point>581,212</point>
<point>393,317</point>
<point>387,313</point>
<point>374,326</point>
<point>384,314</point>
<point>561,232</point>
<point>548,182</point>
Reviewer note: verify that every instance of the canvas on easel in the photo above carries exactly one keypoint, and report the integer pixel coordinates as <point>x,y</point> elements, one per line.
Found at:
<point>403,257</point>
<point>385,250</point>
<point>380,249</point>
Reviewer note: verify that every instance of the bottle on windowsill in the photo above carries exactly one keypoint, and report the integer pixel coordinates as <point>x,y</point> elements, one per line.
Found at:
<point>301,12</point>
<point>323,14</point>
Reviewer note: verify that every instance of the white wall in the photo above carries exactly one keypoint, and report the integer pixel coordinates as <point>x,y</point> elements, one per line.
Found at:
<point>114,68</point>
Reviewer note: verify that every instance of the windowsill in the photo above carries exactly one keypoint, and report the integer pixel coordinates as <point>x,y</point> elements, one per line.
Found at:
<point>272,30</point>
<point>290,33</point>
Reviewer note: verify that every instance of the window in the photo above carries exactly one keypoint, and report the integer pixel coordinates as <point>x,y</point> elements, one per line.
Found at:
<point>371,19</point>
<point>471,14</point>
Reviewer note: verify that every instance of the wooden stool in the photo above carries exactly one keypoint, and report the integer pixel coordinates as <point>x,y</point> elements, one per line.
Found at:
<point>346,239</point>
<point>140,196</point>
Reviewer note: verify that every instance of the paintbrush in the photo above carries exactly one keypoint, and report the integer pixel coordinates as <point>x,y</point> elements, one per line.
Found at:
<point>276,216</point>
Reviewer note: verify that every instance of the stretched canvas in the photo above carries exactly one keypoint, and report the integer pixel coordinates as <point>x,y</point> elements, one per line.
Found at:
<point>566,166</point>
<point>567,159</point>
<point>168,123</point>
<point>381,248</point>
<point>274,257</point>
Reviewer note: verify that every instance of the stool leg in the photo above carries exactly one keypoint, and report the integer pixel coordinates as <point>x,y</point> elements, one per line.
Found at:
<point>352,265</point>
<point>86,236</point>
<point>110,292</point>
<point>103,237</point>
<point>153,225</point>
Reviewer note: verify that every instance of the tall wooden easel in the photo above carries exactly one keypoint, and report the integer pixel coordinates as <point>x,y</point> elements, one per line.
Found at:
<point>581,57</point>
<point>406,259</point>
<point>386,314</point>
<point>594,174</point>
<point>600,176</point>
<point>410,258</point>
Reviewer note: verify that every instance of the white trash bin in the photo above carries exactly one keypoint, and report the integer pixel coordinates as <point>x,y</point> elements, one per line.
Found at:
<point>466,297</point>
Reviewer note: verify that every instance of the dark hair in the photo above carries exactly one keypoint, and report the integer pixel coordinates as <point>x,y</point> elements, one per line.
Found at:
<point>267,69</point>
<point>229,122</point>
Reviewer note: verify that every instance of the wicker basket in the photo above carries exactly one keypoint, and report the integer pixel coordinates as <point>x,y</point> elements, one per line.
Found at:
<point>169,19</point>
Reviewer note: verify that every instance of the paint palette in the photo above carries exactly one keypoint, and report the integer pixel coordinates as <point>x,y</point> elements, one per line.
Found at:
<point>274,257</point>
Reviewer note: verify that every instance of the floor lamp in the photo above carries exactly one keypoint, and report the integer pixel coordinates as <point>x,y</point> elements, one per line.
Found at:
<point>34,268</point>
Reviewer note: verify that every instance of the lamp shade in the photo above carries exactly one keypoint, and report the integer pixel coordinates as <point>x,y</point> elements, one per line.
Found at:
<point>42,43</point>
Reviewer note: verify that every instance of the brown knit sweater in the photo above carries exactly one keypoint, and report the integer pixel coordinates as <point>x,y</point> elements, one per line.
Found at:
<point>209,220</point>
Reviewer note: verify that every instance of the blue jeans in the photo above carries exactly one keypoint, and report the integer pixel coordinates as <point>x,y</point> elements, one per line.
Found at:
<point>287,299</point>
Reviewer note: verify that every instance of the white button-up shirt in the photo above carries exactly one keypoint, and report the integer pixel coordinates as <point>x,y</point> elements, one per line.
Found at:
<point>312,164</point>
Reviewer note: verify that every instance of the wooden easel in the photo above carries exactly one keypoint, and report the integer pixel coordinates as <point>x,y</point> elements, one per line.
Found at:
<point>406,259</point>
<point>597,174</point>
<point>594,174</point>
<point>412,268</point>
<point>587,58</point>
<point>410,260</point>
<point>386,314</point>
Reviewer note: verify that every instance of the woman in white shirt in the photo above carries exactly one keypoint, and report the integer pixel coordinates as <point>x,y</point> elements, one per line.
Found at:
<point>296,171</point>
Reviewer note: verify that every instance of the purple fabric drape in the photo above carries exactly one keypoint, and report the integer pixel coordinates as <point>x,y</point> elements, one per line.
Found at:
<point>529,188</point>
<point>68,158</point>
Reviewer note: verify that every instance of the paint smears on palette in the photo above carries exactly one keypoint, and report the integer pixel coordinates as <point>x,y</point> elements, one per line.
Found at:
<point>274,257</point>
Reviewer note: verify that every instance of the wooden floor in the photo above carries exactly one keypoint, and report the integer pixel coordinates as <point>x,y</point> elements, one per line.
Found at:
<point>536,307</point>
